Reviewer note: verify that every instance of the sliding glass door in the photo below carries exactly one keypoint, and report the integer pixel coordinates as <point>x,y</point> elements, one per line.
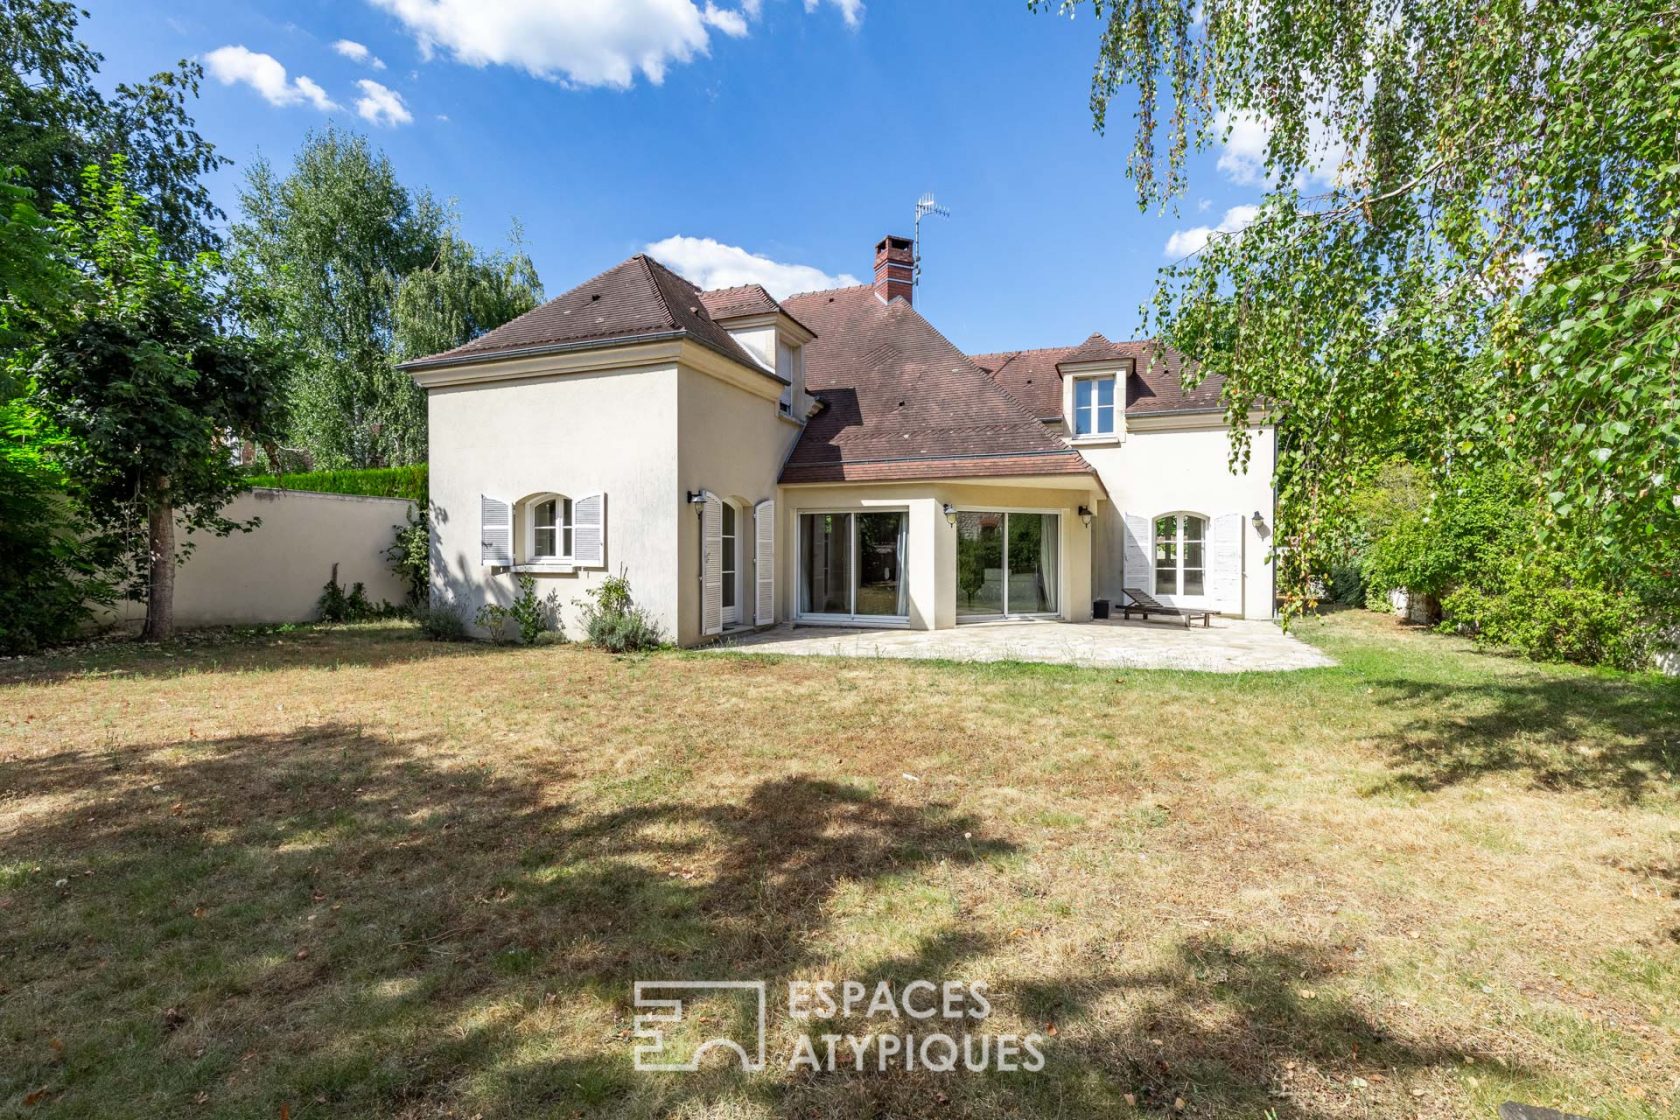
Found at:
<point>1007,564</point>
<point>851,565</point>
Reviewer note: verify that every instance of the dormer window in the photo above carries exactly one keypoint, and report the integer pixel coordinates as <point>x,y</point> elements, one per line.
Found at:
<point>790,365</point>
<point>1093,405</point>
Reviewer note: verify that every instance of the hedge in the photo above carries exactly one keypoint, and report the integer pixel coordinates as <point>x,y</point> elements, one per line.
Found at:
<point>376,482</point>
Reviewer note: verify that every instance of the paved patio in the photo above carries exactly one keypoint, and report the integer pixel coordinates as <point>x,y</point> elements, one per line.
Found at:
<point>1231,645</point>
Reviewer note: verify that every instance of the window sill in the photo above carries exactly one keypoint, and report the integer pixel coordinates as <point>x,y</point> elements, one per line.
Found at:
<point>1096,441</point>
<point>546,567</point>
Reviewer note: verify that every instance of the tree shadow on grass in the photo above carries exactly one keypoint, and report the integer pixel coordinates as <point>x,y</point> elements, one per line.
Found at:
<point>349,925</point>
<point>1230,1032</point>
<point>1616,736</point>
<point>241,650</point>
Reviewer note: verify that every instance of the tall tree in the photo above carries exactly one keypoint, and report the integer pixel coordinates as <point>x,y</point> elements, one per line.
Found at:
<point>1491,273</point>
<point>349,271</point>
<point>54,121</point>
<point>148,386</point>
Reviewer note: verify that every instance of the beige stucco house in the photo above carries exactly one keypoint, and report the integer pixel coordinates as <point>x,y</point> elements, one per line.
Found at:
<point>828,458</point>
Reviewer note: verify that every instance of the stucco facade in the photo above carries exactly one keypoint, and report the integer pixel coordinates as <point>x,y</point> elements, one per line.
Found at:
<point>831,459</point>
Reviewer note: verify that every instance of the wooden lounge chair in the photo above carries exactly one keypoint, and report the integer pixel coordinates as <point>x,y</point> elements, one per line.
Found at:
<point>1142,604</point>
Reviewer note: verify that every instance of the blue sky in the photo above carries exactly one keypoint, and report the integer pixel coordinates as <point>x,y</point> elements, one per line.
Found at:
<point>798,131</point>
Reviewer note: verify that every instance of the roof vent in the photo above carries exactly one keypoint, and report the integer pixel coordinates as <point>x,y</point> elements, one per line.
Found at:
<point>594,297</point>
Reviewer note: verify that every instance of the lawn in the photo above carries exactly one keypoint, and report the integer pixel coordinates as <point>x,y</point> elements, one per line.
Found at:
<point>347,872</point>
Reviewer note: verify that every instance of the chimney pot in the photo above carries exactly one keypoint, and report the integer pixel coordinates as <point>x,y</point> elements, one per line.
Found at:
<point>895,269</point>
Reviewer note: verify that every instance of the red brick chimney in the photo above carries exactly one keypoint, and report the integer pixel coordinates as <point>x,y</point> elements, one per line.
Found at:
<point>895,269</point>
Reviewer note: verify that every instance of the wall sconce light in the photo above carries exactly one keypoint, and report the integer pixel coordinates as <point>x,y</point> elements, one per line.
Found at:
<point>1259,520</point>
<point>696,497</point>
<point>950,512</point>
<point>1085,515</point>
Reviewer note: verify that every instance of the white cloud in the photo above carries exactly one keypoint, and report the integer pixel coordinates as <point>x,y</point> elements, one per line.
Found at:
<point>1184,242</point>
<point>263,72</point>
<point>726,20</point>
<point>581,42</point>
<point>712,264</point>
<point>356,52</point>
<point>381,106</point>
<point>1243,157</point>
<point>851,10</point>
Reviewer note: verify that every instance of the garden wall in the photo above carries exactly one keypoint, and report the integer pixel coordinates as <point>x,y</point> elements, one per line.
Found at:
<point>275,572</point>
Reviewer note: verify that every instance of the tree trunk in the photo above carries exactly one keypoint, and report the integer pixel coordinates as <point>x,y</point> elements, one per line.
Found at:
<point>160,543</point>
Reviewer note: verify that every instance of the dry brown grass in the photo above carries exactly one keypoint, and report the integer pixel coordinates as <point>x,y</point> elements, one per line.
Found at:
<point>352,873</point>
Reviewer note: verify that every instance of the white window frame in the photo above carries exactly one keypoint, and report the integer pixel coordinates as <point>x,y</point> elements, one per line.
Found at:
<point>1062,610</point>
<point>565,525</point>
<point>1113,407</point>
<point>1178,554</point>
<point>849,619</point>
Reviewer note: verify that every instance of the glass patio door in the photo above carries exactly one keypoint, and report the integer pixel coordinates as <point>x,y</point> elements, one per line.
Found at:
<point>851,566</point>
<point>1008,564</point>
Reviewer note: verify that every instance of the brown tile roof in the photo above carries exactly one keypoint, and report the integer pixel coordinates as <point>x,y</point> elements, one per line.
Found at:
<point>639,299</point>
<point>748,299</point>
<point>903,403</point>
<point>1032,378</point>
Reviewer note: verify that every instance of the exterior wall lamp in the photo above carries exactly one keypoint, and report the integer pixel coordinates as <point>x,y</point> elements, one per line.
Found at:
<point>1085,515</point>
<point>1259,520</point>
<point>950,512</point>
<point>698,498</point>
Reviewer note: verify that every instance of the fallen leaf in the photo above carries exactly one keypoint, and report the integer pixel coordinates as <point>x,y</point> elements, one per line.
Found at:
<point>301,954</point>
<point>1050,1029</point>
<point>32,1098</point>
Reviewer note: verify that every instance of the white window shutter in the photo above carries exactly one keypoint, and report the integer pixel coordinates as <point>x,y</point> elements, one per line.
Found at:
<point>1138,561</point>
<point>589,531</point>
<point>1225,561</point>
<point>495,536</point>
<point>764,561</point>
<point>711,565</point>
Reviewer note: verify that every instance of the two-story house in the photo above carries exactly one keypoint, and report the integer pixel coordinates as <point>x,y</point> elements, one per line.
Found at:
<point>829,458</point>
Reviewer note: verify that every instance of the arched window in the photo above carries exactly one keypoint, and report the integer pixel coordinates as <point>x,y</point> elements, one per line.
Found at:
<point>1180,554</point>
<point>547,528</point>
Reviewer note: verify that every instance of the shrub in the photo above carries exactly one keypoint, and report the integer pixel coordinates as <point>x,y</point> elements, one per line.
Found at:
<point>530,616</point>
<point>442,623</point>
<point>410,555</point>
<point>614,623</point>
<point>375,482</point>
<point>1545,614</point>
<point>337,605</point>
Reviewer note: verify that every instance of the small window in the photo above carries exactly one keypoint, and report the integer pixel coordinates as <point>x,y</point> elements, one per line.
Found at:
<point>1093,406</point>
<point>549,529</point>
<point>1180,554</point>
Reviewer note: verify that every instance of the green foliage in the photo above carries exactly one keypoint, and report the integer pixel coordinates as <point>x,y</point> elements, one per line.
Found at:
<point>348,271</point>
<point>48,574</point>
<point>54,121</point>
<point>612,620</point>
<point>1490,276</point>
<point>1473,551</point>
<point>442,623</point>
<point>144,385</point>
<point>376,482</point>
<point>531,617</point>
<point>1542,612</point>
<point>1430,542</point>
<point>410,555</point>
<point>337,605</point>
<point>463,294</point>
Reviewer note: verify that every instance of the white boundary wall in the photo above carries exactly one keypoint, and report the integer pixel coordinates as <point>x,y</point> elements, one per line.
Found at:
<point>275,572</point>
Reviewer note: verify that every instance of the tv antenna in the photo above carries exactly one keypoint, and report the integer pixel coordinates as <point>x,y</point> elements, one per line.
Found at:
<point>924,207</point>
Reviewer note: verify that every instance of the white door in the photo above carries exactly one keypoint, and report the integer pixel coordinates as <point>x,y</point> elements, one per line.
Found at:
<point>731,565</point>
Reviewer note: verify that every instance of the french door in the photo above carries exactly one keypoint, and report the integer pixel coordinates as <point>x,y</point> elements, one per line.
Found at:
<point>851,566</point>
<point>1008,564</point>
<point>731,564</point>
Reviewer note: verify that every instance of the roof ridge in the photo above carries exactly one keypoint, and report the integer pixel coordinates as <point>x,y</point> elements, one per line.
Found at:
<point>828,291</point>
